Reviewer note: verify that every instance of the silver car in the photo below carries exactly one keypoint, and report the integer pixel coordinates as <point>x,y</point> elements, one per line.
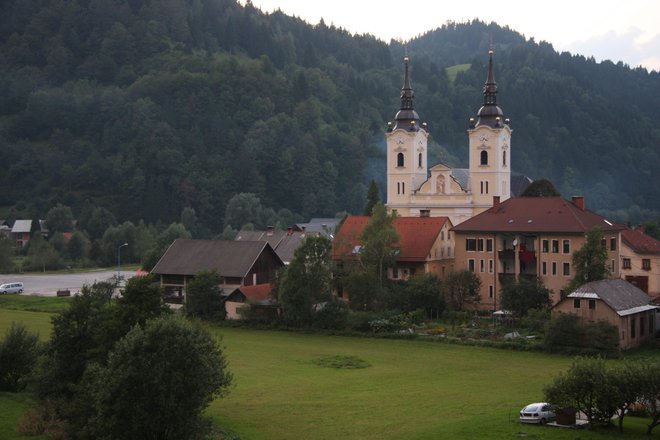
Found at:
<point>540,412</point>
<point>11,288</point>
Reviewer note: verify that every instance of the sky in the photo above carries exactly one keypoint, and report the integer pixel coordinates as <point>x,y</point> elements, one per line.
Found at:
<point>627,31</point>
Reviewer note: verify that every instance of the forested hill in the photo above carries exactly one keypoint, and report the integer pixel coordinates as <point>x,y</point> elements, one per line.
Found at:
<point>146,108</point>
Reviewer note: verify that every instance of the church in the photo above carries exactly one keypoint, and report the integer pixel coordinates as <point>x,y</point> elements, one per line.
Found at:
<point>457,193</point>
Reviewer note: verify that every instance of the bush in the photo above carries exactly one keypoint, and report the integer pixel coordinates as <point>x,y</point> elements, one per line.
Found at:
<point>157,383</point>
<point>18,356</point>
<point>568,334</point>
<point>332,316</point>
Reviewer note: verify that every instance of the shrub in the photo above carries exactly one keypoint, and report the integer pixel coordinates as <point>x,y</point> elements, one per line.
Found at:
<point>18,356</point>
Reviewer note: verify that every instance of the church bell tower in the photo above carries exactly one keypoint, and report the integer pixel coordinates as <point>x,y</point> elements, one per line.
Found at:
<point>406,150</point>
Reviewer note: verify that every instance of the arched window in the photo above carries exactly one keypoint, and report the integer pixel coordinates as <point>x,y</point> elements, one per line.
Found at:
<point>419,160</point>
<point>399,160</point>
<point>484,157</point>
<point>504,158</point>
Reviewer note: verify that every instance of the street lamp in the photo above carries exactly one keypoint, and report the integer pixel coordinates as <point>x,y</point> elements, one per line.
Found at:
<point>119,261</point>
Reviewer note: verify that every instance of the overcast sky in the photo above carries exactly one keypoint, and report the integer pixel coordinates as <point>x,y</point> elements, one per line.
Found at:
<point>627,31</point>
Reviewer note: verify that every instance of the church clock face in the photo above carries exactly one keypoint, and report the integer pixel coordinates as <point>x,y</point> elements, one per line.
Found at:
<point>400,141</point>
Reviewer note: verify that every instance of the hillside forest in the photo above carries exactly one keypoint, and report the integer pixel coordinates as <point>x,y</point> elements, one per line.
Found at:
<point>145,109</point>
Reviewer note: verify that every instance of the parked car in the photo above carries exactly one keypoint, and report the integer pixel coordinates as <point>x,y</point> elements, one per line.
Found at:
<point>11,288</point>
<point>540,412</point>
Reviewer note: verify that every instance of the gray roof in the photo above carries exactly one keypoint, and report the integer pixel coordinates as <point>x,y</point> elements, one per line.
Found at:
<point>228,258</point>
<point>461,176</point>
<point>326,226</point>
<point>620,295</point>
<point>517,185</point>
<point>284,243</point>
<point>21,226</point>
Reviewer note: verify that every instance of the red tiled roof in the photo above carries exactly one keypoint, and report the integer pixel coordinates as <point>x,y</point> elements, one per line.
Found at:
<point>416,236</point>
<point>537,214</point>
<point>257,292</point>
<point>640,242</point>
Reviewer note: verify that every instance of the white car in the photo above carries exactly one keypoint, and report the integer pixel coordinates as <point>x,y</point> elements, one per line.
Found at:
<point>11,288</point>
<point>540,412</point>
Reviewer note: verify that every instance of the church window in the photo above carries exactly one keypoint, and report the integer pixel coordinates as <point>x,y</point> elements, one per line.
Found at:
<point>425,213</point>
<point>486,187</point>
<point>419,160</point>
<point>403,187</point>
<point>398,187</point>
<point>399,160</point>
<point>482,187</point>
<point>484,157</point>
<point>504,158</point>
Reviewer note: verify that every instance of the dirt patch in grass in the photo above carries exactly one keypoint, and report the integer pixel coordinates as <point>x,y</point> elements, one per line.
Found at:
<point>341,362</point>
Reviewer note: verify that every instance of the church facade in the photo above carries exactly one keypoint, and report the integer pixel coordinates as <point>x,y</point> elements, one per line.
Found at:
<point>459,194</point>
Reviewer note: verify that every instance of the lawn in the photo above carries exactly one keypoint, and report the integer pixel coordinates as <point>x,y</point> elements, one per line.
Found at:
<point>409,389</point>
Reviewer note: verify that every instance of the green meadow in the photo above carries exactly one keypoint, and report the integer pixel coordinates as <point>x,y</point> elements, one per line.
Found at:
<point>285,387</point>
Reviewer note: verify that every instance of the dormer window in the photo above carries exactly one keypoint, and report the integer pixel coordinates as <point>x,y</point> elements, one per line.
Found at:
<point>399,160</point>
<point>484,157</point>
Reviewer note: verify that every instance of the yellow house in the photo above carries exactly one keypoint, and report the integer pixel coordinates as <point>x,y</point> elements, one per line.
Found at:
<point>617,302</point>
<point>640,261</point>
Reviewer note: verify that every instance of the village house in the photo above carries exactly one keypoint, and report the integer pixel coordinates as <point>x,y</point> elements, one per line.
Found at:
<point>425,245</point>
<point>640,261</point>
<point>239,263</point>
<point>530,237</point>
<point>617,302</point>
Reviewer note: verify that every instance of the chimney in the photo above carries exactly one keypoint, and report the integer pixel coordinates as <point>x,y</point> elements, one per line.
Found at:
<point>578,201</point>
<point>289,230</point>
<point>269,230</point>
<point>496,201</point>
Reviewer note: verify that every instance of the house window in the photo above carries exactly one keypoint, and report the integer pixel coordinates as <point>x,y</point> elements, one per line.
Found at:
<point>554,268</point>
<point>626,263</point>
<point>442,235</point>
<point>395,273</point>
<point>484,157</point>
<point>555,246</point>
<point>480,244</point>
<point>567,269</point>
<point>592,304</point>
<point>612,266</point>
<point>419,160</point>
<point>603,243</point>
<point>545,246</point>
<point>489,245</point>
<point>633,328</point>
<point>544,268</point>
<point>425,213</point>
<point>567,246</point>
<point>612,244</point>
<point>399,160</point>
<point>490,291</point>
<point>646,264</point>
<point>576,303</point>
<point>471,244</point>
<point>471,265</point>
<point>482,266</point>
<point>491,266</point>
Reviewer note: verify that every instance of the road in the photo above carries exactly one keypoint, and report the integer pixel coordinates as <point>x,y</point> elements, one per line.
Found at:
<point>49,284</point>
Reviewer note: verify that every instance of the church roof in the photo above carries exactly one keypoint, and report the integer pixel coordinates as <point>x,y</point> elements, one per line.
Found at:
<point>537,214</point>
<point>490,114</point>
<point>406,118</point>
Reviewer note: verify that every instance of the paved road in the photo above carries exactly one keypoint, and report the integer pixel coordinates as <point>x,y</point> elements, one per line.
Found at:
<point>48,285</point>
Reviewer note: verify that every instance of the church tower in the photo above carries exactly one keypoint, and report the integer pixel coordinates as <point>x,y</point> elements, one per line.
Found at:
<point>406,149</point>
<point>490,148</point>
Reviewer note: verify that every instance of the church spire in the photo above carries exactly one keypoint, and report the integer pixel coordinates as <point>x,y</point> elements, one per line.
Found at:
<point>490,114</point>
<point>406,118</point>
<point>407,94</point>
<point>490,87</point>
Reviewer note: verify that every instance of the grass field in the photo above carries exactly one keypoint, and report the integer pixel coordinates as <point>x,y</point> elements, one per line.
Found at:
<point>453,70</point>
<point>409,390</point>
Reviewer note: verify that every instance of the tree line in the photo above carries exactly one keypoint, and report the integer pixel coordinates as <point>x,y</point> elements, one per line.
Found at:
<point>146,111</point>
